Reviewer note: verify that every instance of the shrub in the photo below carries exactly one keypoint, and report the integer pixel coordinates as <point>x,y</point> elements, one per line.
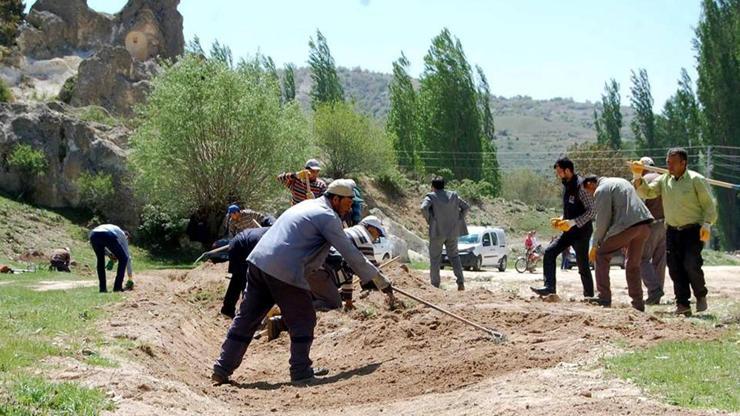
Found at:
<point>472,191</point>
<point>6,95</point>
<point>96,191</point>
<point>97,114</point>
<point>65,94</point>
<point>392,183</point>
<point>160,230</point>
<point>29,161</point>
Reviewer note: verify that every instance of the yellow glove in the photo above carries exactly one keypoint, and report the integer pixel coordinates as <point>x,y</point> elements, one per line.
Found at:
<point>637,168</point>
<point>565,225</point>
<point>303,174</point>
<point>704,232</point>
<point>554,222</point>
<point>592,254</point>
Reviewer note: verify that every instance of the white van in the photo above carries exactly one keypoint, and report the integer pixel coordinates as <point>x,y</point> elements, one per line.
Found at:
<point>482,247</point>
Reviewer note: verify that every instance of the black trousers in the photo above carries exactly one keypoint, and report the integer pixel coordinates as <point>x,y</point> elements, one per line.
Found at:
<point>580,242</point>
<point>101,240</point>
<point>683,248</point>
<point>296,305</point>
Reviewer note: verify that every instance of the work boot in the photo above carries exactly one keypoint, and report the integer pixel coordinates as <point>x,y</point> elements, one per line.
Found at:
<point>654,298</point>
<point>542,291</point>
<point>600,302</point>
<point>461,286</point>
<point>701,304</point>
<point>231,313</point>
<point>684,310</point>
<point>311,377</point>
<point>275,326</point>
<point>218,379</point>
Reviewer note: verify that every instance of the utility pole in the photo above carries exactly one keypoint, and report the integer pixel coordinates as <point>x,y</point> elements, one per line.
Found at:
<point>708,168</point>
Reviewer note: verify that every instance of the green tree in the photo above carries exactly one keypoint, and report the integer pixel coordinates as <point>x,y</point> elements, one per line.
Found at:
<point>488,145</point>
<point>598,159</point>
<point>326,87</point>
<point>29,164</point>
<point>350,142</point>
<point>643,125</point>
<point>11,16</point>
<point>209,135</point>
<point>401,124</point>
<point>609,122</point>
<point>5,94</point>
<point>718,45</point>
<point>289,83</point>
<point>680,121</point>
<point>450,123</point>
<point>96,191</point>
<point>222,53</point>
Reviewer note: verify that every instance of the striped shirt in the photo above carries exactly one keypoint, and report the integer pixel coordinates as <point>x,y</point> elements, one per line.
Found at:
<point>589,203</point>
<point>298,187</point>
<point>247,219</point>
<point>362,239</point>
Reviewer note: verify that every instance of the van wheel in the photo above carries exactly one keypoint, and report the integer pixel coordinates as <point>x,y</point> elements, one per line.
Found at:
<point>478,264</point>
<point>502,264</point>
<point>386,256</point>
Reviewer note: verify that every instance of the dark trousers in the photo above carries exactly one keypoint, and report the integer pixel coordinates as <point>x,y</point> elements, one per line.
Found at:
<point>238,270</point>
<point>100,240</point>
<point>684,263</point>
<point>262,292</point>
<point>633,239</point>
<point>579,241</point>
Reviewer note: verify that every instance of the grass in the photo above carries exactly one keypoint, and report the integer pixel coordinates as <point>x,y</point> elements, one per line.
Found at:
<point>30,395</point>
<point>719,258</point>
<point>36,325</point>
<point>695,374</point>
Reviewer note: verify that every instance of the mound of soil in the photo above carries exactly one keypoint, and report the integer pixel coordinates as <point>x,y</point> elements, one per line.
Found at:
<point>375,354</point>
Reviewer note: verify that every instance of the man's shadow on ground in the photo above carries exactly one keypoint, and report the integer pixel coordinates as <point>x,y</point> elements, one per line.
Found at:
<point>344,375</point>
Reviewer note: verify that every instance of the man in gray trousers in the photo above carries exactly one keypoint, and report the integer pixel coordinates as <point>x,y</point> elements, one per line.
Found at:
<point>297,243</point>
<point>652,268</point>
<point>445,213</point>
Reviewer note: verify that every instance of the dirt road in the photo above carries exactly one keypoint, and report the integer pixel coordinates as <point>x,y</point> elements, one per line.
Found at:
<point>412,360</point>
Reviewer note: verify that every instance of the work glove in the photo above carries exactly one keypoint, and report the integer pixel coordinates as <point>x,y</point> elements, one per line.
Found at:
<point>303,174</point>
<point>705,232</point>
<point>592,254</point>
<point>637,168</point>
<point>554,222</point>
<point>129,284</point>
<point>565,225</point>
<point>379,282</point>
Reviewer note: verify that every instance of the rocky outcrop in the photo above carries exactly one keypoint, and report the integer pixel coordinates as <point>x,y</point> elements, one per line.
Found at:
<point>71,147</point>
<point>146,28</point>
<point>113,80</point>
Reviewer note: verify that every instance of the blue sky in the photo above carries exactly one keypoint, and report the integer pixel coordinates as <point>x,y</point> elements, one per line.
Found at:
<point>540,48</point>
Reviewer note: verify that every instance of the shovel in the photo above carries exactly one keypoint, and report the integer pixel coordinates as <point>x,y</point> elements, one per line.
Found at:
<point>214,251</point>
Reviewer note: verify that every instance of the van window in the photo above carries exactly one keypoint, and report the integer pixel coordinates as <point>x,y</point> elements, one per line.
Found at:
<point>493,237</point>
<point>486,240</point>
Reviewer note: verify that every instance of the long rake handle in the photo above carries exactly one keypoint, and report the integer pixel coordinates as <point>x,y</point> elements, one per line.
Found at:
<point>710,181</point>
<point>446,312</point>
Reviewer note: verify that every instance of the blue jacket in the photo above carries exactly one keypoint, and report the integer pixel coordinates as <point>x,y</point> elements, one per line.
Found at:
<point>299,242</point>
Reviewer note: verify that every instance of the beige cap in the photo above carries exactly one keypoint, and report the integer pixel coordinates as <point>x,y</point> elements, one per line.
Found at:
<point>647,161</point>
<point>373,221</point>
<point>342,187</point>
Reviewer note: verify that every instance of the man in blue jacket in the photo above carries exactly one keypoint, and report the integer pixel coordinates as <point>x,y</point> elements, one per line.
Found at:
<point>297,243</point>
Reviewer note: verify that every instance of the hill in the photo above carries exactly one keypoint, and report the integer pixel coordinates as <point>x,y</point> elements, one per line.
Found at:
<point>521,122</point>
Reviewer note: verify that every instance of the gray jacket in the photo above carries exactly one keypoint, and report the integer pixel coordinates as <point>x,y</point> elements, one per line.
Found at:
<point>617,208</point>
<point>445,213</point>
<point>299,242</point>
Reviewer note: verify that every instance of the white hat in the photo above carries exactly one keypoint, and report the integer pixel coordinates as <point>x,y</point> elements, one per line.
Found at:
<point>373,221</point>
<point>342,187</point>
<point>313,164</point>
<point>647,161</point>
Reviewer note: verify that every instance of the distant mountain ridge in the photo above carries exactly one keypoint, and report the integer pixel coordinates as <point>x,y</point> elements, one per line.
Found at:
<point>522,123</point>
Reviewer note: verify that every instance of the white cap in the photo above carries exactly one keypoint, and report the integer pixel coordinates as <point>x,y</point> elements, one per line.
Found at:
<point>647,161</point>
<point>342,187</point>
<point>373,221</point>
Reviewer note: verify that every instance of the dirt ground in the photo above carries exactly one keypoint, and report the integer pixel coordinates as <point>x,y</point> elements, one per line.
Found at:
<point>412,360</point>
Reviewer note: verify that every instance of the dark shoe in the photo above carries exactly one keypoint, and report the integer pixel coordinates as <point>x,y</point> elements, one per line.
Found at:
<point>461,286</point>
<point>588,295</point>
<point>310,377</point>
<point>601,302</point>
<point>274,327</point>
<point>684,310</point>
<point>218,379</point>
<point>231,313</point>
<point>542,291</point>
<point>701,304</point>
<point>654,299</point>
<point>640,308</point>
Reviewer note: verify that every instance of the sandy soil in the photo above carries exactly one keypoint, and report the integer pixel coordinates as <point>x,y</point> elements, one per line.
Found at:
<point>411,360</point>
<point>46,285</point>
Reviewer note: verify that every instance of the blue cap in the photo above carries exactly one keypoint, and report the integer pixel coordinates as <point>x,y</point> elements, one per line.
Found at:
<point>233,208</point>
